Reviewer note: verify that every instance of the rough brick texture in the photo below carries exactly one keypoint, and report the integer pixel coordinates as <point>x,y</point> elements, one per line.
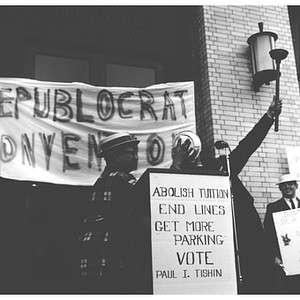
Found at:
<point>227,106</point>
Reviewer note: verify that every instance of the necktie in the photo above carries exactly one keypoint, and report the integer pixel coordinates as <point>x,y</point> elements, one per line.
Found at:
<point>292,203</point>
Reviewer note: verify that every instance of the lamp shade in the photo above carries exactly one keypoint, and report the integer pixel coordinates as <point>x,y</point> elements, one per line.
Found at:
<point>264,69</point>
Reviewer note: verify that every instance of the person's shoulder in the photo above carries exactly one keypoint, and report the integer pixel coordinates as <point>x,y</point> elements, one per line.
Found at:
<point>114,177</point>
<point>274,204</point>
<point>122,176</point>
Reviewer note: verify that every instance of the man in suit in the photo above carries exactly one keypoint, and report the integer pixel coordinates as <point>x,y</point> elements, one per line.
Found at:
<point>255,265</point>
<point>288,186</point>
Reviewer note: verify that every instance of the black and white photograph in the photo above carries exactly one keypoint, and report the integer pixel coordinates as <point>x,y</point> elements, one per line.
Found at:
<point>150,149</point>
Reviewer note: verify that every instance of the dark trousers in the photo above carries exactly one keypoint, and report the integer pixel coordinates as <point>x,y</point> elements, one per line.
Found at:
<point>287,284</point>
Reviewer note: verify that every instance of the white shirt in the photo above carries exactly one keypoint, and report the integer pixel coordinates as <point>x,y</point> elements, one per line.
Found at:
<point>289,203</point>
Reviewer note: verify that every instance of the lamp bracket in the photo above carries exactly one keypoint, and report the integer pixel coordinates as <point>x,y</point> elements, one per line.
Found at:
<point>263,77</point>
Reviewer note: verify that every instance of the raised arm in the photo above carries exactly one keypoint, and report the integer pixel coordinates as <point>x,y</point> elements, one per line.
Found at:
<point>248,145</point>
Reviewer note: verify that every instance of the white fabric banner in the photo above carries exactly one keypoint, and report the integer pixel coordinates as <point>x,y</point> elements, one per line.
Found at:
<point>50,131</point>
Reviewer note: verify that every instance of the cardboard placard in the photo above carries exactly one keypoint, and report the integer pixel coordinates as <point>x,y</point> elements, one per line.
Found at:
<point>287,225</point>
<point>192,234</point>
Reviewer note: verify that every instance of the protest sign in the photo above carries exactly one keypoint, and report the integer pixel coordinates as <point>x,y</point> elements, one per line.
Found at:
<point>50,131</point>
<point>192,234</point>
<point>287,225</point>
<point>293,157</point>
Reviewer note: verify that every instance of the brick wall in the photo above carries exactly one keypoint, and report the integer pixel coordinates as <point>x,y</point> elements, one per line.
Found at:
<point>227,106</point>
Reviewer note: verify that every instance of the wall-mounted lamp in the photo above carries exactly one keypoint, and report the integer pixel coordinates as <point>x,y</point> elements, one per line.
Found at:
<point>263,65</point>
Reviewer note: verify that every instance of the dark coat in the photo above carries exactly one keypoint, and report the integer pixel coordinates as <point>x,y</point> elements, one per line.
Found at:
<point>107,261</point>
<point>256,267</point>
